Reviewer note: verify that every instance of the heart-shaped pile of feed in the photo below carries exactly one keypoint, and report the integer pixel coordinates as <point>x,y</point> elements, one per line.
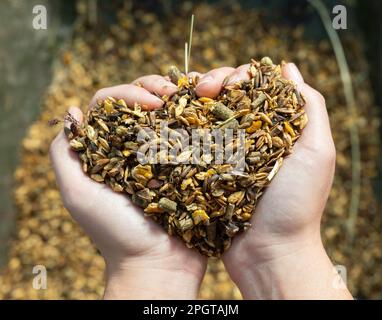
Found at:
<point>197,166</point>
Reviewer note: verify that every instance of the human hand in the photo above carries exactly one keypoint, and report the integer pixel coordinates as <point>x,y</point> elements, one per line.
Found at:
<point>142,261</point>
<point>281,255</point>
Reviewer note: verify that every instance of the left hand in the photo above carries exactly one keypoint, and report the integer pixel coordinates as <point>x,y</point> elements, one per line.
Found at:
<point>142,261</point>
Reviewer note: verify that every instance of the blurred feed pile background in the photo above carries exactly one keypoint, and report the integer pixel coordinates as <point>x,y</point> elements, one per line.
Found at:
<point>124,41</point>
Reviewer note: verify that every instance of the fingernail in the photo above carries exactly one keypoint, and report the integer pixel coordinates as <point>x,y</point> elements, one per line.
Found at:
<point>233,80</point>
<point>169,85</point>
<point>169,91</point>
<point>69,118</point>
<point>205,79</point>
<point>295,73</point>
<point>72,110</point>
<point>158,100</point>
<point>76,113</point>
<point>155,103</point>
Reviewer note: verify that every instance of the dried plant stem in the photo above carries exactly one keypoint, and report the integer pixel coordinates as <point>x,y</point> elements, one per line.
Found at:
<point>190,39</point>
<point>350,102</point>
<point>187,47</point>
<point>186,57</point>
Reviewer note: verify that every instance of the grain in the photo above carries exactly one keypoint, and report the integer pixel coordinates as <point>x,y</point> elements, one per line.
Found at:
<point>194,196</point>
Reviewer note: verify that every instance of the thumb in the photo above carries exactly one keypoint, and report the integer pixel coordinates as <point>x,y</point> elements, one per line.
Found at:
<point>64,159</point>
<point>74,115</point>
<point>291,72</point>
<point>317,132</point>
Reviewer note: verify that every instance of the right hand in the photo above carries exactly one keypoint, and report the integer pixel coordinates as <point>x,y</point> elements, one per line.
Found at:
<point>285,232</point>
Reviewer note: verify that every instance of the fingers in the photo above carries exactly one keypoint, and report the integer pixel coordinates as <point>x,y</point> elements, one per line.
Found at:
<point>291,72</point>
<point>70,177</point>
<point>77,115</point>
<point>157,85</point>
<point>131,94</point>
<point>240,74</point>
<point>65,161</point>
<point>317,131</point>
<point>194,74</point>
<point>211,83</point>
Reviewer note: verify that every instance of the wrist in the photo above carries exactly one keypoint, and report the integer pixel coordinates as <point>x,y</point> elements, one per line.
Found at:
<point>298,269</point>
<point>151,279</point>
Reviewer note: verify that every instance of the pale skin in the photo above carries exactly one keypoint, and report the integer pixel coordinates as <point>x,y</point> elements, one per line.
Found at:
<point>281,256</point>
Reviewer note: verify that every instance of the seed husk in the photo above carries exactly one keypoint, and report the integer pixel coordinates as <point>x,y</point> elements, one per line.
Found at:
<point>208,203</point>
<point>167,205</point>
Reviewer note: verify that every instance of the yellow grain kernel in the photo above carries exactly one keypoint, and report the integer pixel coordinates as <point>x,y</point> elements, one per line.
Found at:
<point>200,216</point>
<point>256,125</point>
<point>289,129</point>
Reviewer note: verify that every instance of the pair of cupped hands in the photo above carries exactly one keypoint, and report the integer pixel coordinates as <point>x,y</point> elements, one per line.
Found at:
<point>280,256</point>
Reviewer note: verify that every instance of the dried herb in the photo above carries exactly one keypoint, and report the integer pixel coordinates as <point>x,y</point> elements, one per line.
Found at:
<point>207,203</point>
